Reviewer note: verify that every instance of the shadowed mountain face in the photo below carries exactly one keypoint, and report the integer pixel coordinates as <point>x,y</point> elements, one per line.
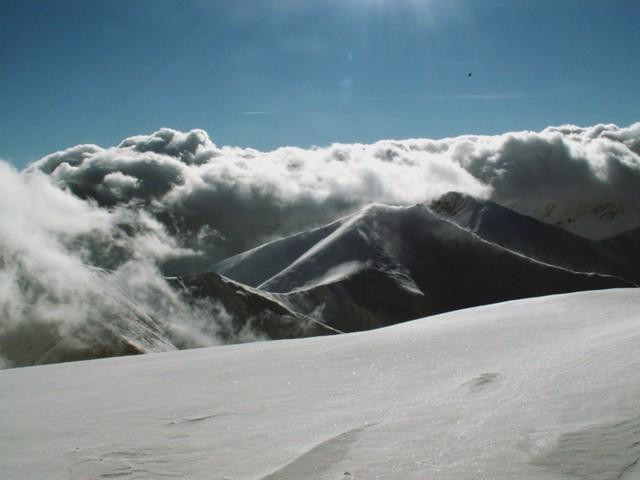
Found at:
<point>548,243</point>
<point>385,265</point>
<point>252,314</point>
<point>500,225</point>
<point>624,251</point>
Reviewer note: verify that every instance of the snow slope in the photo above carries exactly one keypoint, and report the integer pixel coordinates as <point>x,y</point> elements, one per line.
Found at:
<point>543,388</point>
<point>259,264</point>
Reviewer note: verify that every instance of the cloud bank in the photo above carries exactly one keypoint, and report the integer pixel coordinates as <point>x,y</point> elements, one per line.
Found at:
<point>88,233</point>
<point>222,200</point>
<point>78,280</point>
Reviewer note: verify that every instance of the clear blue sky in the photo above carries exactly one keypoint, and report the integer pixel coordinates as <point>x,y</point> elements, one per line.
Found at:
<point>274,72</point>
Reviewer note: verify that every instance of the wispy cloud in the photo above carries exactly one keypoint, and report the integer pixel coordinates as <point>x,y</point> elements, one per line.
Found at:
<point>379,117</point>
<point>256,112</point>
<point>481,96</point>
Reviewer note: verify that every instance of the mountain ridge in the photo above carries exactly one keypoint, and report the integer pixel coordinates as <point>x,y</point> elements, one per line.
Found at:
<point>387,264</point>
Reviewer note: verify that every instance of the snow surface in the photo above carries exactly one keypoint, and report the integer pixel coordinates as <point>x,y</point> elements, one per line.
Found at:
<point>543,388</point>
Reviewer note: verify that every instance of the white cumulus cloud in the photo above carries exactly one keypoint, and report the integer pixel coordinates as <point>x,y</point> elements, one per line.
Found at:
<point>243,196</point>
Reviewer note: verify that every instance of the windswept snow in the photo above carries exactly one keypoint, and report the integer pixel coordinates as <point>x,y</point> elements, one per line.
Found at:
<point>543,388</point>
<point>257,265</point>
<point>337,273</point>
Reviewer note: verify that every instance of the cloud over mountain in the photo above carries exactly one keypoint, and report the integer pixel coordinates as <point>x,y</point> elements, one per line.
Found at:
<point>226,199</point>
<point>565,162</point>
<point>234,197</point>
<point>90,229</point>
<point>77,278</point>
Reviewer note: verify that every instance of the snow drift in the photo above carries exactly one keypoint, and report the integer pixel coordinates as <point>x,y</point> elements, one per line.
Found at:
<point>541,388</point>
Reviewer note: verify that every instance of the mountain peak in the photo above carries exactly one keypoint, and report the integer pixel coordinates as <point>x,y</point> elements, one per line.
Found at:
<point>451,203</point>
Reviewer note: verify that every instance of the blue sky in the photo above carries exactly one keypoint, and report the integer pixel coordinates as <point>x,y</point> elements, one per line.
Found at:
<point>283,72</point>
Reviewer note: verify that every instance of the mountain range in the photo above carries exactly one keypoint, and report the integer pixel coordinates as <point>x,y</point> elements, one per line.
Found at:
<point>386,264</point>
<point>378,266</point>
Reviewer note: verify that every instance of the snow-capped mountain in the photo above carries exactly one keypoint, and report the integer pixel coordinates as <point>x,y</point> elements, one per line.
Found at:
<point>386,264</point>
<point>543,388</point>
<point>595,220</point>
<point>535,239</point>
<point>261,263</point>
<point>379,266</point>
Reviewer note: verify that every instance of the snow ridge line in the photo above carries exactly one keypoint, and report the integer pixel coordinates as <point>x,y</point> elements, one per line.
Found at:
<point>319,245</point>
<point>238,257</point>
<point>535,260</point>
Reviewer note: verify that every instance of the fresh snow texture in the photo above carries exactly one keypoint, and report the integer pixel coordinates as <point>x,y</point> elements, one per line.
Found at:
<point>543,388</point>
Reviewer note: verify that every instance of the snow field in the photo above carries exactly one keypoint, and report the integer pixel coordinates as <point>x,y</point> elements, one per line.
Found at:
<point>543,388</point>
